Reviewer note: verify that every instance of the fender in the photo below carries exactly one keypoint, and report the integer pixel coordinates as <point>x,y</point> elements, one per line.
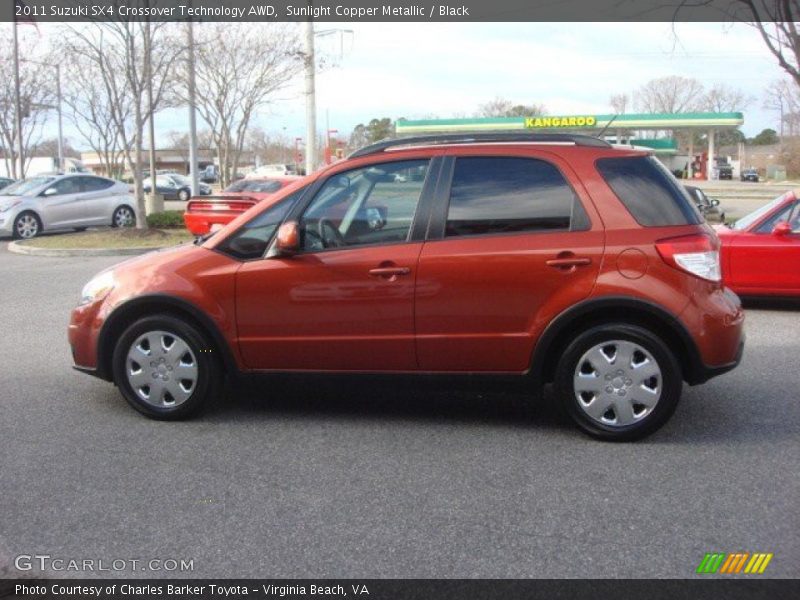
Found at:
<point>116,321</point>
<point>543,361</point>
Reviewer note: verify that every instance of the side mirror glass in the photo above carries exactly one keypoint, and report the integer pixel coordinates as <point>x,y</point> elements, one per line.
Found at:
<point>782,228</point>
<point>288,240</point>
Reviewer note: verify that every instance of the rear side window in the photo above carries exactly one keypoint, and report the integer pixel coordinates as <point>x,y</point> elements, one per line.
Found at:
<point>507,195</point>
<point>648,191</point>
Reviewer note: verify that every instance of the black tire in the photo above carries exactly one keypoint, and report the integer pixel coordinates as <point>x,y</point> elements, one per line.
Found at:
<point>183,195</point>
<point>80,229</point>
<point>206,385</point>
<point>20,232</point>
<point>669,382</point>
<point>124,214</point>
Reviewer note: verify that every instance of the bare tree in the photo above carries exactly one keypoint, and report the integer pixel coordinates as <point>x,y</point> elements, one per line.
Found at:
<point>37,93</point>
<point>619,103</point>
<point>239,68</point>
<point>723,98</point>
<point>673,94</point>
<point>115,54</point>
<point>500,107</point>
<point>783,96</point>
<point>776,22</point>
<point>104,124</point>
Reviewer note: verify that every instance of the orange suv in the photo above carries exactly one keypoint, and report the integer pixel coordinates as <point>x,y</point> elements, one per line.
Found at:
<point>553,258</point>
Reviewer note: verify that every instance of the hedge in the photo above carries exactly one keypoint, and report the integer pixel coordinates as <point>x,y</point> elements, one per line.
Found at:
<point>169,219</point>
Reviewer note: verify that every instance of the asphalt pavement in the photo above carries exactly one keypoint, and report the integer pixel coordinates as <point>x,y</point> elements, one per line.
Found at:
<point>335,478</point>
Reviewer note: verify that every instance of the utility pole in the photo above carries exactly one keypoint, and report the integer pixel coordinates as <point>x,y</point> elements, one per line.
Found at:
<point>193,174</point>
<point>18,106</point>
<point>311,109</point>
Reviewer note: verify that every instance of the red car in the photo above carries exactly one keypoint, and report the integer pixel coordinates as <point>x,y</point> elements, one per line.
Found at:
<point>761,252</point>
<point>209,213</point>
<point>536,257</point>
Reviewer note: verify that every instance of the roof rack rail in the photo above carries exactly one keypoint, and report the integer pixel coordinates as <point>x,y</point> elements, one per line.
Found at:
<point>471,138</point>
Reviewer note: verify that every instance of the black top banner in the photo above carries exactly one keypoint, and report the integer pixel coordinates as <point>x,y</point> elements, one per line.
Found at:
<point>398,11</point>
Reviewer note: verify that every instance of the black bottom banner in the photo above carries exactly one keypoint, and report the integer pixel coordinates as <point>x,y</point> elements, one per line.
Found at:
<point>398,589</point>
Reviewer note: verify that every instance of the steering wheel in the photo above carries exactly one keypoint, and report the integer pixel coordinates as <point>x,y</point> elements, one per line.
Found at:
<point>329,234</point>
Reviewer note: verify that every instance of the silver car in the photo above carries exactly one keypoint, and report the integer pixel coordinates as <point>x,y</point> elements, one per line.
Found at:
<point>73,201</point>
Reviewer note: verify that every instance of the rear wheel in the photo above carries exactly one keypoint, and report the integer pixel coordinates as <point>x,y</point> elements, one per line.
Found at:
<point>27,225</point>
<point>123,217</point>
<point>166,368</point>
<point>183,195</point>
<point>618,382</point>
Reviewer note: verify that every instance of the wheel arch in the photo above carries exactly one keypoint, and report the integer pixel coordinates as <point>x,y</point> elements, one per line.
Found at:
<point>125,314</point>
<point>619,309</point>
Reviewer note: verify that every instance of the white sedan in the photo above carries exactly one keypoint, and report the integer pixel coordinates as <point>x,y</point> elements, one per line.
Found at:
<point>73,201</point>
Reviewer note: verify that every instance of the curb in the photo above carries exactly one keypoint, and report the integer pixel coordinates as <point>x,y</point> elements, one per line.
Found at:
<point>18,248</point>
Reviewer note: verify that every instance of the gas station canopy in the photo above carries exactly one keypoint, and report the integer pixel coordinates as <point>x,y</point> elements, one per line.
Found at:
<point>587,123</point>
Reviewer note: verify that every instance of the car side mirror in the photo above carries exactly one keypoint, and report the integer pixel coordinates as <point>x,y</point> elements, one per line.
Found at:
<point>714,202</point>
<point>782,228</point>
<point>288,240</point>
<point>50,192</point>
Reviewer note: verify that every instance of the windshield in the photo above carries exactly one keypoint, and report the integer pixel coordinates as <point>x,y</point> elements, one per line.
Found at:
<point>756,215</point>
<point>25,186</point>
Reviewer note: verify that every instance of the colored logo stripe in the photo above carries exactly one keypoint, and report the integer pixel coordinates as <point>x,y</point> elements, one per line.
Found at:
<point>719,562</point>
<point>758,563</point>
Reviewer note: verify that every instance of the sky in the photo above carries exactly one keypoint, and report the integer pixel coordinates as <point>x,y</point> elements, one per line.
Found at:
<point>430,70</point>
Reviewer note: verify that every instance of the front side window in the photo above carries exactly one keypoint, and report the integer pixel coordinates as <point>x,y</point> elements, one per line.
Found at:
<point>779,217</point>
<point>70,185</point>
<point>508,194</point>
<point>253,238</point>
<point>371,205</point>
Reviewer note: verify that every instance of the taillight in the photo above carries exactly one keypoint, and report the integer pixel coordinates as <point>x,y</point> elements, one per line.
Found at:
<point>697,254</point>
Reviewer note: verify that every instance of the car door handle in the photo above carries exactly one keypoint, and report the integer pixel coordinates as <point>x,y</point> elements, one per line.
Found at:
<point>567,263</point>
<point>389,272</point>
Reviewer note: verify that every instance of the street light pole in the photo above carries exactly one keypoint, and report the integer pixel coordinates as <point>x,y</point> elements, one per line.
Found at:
<point>311,110</point>
<point>18,106</point>
<point>192,117</point>
<point>60,125</point>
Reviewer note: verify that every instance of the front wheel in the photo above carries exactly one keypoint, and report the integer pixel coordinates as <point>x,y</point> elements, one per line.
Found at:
<point>618,382</point>
<point>27,225</point>
<point>183,195</point>
<point>166,368</point>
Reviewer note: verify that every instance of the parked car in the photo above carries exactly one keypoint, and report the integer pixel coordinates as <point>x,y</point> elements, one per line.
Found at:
<point>210,174</point>
<point>274,170</point>
<point>73,201</point>
<point>761,251</point>
<point>724,169</point>
<point>545,257</point>
<point>175,187</point>
<point>709,207</point>
<point>209,213</point>
<point>750,174</point>
<point>5,182</point>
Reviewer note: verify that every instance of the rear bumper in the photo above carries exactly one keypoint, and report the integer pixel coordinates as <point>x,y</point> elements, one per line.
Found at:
<point>704,372</point>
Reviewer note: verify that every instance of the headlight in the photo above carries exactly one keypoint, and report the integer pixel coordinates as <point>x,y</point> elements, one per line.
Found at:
<point>98,288</point>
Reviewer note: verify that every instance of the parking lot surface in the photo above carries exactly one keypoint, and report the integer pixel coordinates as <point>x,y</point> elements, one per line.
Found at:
<point>335,478</point>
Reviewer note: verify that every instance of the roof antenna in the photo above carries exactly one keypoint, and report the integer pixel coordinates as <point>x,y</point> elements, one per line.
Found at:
<point>614,118</point>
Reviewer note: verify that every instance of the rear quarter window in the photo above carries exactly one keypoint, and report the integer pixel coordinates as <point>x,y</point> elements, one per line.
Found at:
<point>650,193</point>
